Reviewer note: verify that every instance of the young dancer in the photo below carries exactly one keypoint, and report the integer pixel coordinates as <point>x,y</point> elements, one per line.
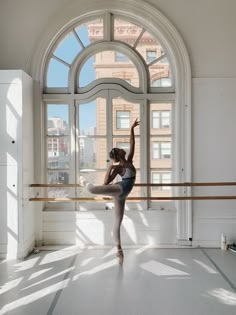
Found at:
<point>119,190</point>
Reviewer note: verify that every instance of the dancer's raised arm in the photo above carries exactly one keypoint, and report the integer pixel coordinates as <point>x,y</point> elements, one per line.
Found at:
<point>132,140</point>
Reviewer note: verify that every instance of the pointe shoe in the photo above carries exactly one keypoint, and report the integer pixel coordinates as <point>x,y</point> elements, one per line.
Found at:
<point>120,256</point>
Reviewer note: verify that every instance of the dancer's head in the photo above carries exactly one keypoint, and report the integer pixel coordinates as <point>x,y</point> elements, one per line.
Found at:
<point>117,154</point>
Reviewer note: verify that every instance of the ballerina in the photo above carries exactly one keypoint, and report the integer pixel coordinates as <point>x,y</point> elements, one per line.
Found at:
<point>119,190</point>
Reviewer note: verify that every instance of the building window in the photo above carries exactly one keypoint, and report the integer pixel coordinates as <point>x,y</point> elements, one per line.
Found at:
<point>151,55</point>
<point>160,119</point>
<point>122,119</point>
<point>161,150</point>
<point>161,178</point>
<point>123,145</point>
<point>162,82</point>
<point>119,57</point>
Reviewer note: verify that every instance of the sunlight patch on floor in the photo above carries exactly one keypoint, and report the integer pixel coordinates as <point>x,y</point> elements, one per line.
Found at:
<point>160,269</point>
<point>224,296</point>
<point>34,296</point>
<point>205,266</point>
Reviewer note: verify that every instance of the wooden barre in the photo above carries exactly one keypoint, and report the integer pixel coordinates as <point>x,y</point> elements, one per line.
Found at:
<point>135,198</point>
<point>189,184</point>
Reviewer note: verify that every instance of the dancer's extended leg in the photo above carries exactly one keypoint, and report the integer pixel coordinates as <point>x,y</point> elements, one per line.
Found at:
<point>107,190</point>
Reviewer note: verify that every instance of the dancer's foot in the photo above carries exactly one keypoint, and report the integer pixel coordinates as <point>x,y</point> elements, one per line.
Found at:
<point>120,256</point>
<point>82,181</point>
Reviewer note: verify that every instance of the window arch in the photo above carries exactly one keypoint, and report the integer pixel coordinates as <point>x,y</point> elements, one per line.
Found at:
<point>127,40</point>
<point>149,18</point>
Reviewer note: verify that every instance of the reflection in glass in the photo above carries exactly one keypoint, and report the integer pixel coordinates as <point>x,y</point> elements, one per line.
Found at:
<point>57,75</point>
<point>68,48</point>
<point>90,31</point>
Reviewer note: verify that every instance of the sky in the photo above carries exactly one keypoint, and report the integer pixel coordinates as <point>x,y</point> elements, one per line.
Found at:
<point>58,76</point>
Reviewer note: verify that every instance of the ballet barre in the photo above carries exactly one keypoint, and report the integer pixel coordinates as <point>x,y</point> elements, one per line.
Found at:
<point>185,184</point>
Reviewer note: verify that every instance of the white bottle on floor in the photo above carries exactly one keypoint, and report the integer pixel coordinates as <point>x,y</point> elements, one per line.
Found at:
<point>223,241</point>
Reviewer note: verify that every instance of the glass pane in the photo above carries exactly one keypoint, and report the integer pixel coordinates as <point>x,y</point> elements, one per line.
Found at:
<point>59,178</point>
<point>57,75</point>
<point>90,31</point>
<point>126,32</point>
<point>87,73</point>
<point>123,143</point>
<point>92,118</point>
<point>162,177</point>
<point>162,82</point>
<point>58,152</point>
<point>160,147</point>
<point>92,154</point>
<point>124,114</point>
<point>160,152</point>
<point>122,119</point>
<point>68,48</point>
<point>147,45</point>
<point>57,119</point>
<point>160,74</point>
<point>108,64</point>
<point>160,119</point>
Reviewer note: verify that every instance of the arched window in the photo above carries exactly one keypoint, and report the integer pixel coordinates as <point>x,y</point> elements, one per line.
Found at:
<point>97,81</point>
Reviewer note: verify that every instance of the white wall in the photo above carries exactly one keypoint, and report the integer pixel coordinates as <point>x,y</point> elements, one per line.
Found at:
<point>208,30</point>
<point>214,156</point>
<point>95,228</point>
<point>206,26</point>
<point>17,233</point>
<point>28,208</point>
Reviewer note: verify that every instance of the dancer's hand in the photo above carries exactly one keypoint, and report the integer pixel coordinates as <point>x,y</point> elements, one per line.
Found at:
<point>136,123</point>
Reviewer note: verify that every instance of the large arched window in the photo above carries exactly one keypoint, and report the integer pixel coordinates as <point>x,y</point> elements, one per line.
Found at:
<point>100,75</point>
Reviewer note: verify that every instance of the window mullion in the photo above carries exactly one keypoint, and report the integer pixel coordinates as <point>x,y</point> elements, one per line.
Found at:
<point>144,153</point>
<point>108,27</point>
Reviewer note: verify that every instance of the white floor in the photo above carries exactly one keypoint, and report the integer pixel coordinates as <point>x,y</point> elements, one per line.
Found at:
<point>90,282</point>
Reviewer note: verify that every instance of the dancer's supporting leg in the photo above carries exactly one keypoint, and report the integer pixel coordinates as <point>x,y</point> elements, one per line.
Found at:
<point>119,207</point>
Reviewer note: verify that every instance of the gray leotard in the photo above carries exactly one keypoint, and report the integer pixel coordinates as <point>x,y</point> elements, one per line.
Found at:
<point>127,183</point>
